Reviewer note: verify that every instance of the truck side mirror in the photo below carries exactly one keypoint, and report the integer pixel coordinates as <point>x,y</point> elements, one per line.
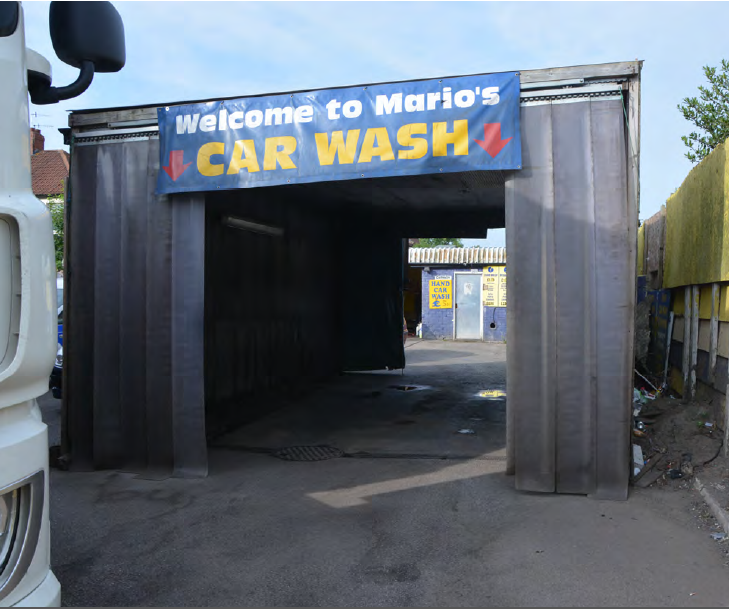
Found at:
<point>85,35</point>
<point>88,31</point>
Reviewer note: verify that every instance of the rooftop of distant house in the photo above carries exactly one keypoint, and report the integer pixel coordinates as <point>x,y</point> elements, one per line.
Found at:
<point>49,168</point>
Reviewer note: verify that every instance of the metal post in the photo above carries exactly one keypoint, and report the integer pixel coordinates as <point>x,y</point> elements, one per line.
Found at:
<point>726,419</point>
<point>686,363</point>
<point>695,293</point>
<point>669,340</point>
<point>714,332</point>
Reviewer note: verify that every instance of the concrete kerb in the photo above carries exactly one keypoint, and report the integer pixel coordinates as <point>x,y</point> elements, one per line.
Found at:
<point>719,513</point>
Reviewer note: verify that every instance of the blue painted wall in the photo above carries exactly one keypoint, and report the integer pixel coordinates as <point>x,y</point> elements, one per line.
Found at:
<point>495,316</point>
<point>660,309</point>
<point>438,324</point>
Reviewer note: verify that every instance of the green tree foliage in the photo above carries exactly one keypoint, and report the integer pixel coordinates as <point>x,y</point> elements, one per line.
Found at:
<point>709,112</point>
<point>56,207</point>
<point>438,242</point>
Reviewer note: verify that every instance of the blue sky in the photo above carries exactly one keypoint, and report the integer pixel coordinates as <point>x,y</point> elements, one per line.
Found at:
<point>191,50</point>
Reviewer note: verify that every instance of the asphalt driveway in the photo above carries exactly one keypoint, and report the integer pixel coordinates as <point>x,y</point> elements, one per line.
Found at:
<point>419,516</point>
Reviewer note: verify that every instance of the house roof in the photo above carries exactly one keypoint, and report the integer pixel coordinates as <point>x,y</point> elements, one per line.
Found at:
<point>49,169</point>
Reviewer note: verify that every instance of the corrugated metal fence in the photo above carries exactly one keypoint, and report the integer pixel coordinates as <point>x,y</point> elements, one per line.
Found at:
<point>571,250</point>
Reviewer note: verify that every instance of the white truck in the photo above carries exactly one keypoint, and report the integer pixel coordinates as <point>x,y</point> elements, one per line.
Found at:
<point>90,36</point>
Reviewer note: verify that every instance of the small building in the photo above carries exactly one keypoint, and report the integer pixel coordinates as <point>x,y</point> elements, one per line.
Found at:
<point>463,292</point>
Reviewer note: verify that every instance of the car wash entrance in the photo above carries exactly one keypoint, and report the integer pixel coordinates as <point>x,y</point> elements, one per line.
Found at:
<point>223,251</point>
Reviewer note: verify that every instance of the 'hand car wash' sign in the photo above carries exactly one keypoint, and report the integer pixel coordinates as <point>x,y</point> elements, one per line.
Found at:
<point>441,293</point>
<point>432,126</point>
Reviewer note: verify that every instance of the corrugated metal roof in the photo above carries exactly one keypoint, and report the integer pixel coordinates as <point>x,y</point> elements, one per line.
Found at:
<point>591,72</point>
<point>457,255</point>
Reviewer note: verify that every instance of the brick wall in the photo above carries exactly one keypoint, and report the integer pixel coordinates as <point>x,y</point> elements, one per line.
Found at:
<point>37,141</point>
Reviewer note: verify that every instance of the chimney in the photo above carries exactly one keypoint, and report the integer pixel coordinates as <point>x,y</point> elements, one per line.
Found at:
<point>37,141</point>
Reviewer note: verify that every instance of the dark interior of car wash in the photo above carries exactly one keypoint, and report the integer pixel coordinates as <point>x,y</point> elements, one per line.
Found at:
<point>304,282</point>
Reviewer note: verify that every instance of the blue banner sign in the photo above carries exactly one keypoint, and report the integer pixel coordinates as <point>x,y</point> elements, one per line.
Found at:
<point>409,128</point>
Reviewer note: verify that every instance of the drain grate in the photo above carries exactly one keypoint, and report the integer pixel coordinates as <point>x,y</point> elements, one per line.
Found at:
<point>409,387</point>
<point>308,453</point>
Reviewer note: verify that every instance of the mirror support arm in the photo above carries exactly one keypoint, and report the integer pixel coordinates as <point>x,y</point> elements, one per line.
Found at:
<point>50,95</point>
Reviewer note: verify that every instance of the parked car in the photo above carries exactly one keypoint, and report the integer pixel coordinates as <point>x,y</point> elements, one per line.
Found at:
<point>60,325</point>
<point>59,304</point>
<point>55,383</point>
<point>55,380</point>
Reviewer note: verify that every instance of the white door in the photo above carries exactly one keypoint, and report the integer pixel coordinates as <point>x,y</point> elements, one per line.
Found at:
<point>469,311</point>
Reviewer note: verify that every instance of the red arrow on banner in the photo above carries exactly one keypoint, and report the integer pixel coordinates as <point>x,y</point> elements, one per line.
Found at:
<point>492,142</point>
<point>176,167</point>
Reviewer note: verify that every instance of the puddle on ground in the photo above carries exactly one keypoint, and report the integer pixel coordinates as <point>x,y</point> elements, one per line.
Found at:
<point>491,394</point>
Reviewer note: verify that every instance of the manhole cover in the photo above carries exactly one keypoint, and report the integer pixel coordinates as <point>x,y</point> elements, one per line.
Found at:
<point>308,453</point>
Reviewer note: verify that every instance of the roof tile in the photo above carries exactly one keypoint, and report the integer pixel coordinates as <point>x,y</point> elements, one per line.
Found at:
<point>49,169</point>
